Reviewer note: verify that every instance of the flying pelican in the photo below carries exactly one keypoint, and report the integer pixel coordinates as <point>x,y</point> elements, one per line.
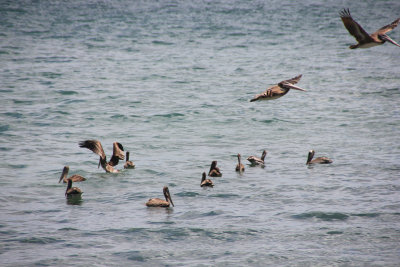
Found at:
<point>206,182</point>
<point>214,170</point>
<point>319,160</point>
<point>279,89</point>
<point>74,178</point>
<point>97,148</point>
<point>364,39</point>
<point>239,166</point>
<point>128,164</point>
<point>257,161</point>
<point>156,202</point>
<point>72,191</point>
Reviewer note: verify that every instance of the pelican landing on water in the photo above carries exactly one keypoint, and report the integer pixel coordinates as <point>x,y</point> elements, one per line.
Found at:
<point>279,89</point>
<point>319,160</point>
<point>364,39</point>
<point>156,202</point>
<point>96,147</point>
<point>74,178</point>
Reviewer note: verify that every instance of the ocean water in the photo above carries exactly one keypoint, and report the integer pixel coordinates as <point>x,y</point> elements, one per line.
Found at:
<point>171,81</point>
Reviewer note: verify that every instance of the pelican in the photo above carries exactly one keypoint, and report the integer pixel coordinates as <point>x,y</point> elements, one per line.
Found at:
<point>214,170</point>
<point>319,160</point>
<point>72,191</point>
<point>206,182</point>
<point>97,148</point>
<point>74,178</point>
<point>239,166</point>
<point>364,39</point>
<point>257,161</point>
<point>279,89</point>
<point>128,164</point>
<point>156,202</point>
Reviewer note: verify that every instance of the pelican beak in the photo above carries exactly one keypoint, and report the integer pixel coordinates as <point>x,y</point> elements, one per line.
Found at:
<point>387,38</point>
<point>65,170</point>
<point>170,199</point>
<point>291,86</point>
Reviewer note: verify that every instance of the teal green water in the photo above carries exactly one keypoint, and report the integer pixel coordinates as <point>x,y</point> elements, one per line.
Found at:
<point>171,81</point>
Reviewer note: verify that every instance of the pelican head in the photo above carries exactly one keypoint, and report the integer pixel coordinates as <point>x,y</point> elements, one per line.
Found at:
<point>263,155</point>
<point>310,156</point>
<point>213,165</point>
<point>167,195</point>
<point>64,173</point>
<point>384,38</point>
<point>288,85</point>
<point>203,178</point>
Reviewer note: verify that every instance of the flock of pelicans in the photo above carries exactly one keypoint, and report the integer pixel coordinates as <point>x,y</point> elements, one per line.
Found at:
<point>364,40</point>
<point>118,154</point>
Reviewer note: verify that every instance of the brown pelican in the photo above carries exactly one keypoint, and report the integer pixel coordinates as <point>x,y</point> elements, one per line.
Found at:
<point>214,170</point>
<point>279,89</point>
<point>364,39</point>
<point>239,166</point>
<point>74,178</point>
<point>72,191</point>
<point>206,182</point>
<point>156,202</point>
<point>128,164</point>
<point>257,161</point>
<point>319,160</point>
<point>97,148</point>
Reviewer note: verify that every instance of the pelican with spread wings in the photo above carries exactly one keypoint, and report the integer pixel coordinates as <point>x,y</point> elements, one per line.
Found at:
<point>96,147</point>
<point>364,39</point>
<point>279,89</point>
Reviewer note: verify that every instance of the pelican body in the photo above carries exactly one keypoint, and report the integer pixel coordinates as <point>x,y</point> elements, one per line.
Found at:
<point>214,170</point>
<point>279,89</point>
<point>96,147</point>
<point>206,182</point>
<point>319,160</point>
<point>128,164</point>
<point>239,166</point>
<point>156,202</point>
<point>364,39</point>
<point>74,178</point>
<point>257,161</point>
<point>72,191</point>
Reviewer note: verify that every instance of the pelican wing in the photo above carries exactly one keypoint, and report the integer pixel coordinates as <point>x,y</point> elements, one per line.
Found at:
<point>118,154</point>
<point>353,27</point>
<point>293,80</point>
<point>388,28</point>
<point>95,146</point>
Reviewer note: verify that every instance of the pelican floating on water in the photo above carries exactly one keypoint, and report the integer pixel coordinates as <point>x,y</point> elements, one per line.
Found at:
<point>206,182</point>
<point>214,170</point>
<point>319,160</point>
<point>239,166</point>
<point>257,161</point>
<point>279,89</point>
<point>74,178</point>
<point>72,191</point>
<point>364,39</point>
<point>156,202</point>
<point>128,164</point>
<point>97,148</point>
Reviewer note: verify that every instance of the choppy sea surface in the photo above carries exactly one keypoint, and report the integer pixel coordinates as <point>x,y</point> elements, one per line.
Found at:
<point>171,81</point>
